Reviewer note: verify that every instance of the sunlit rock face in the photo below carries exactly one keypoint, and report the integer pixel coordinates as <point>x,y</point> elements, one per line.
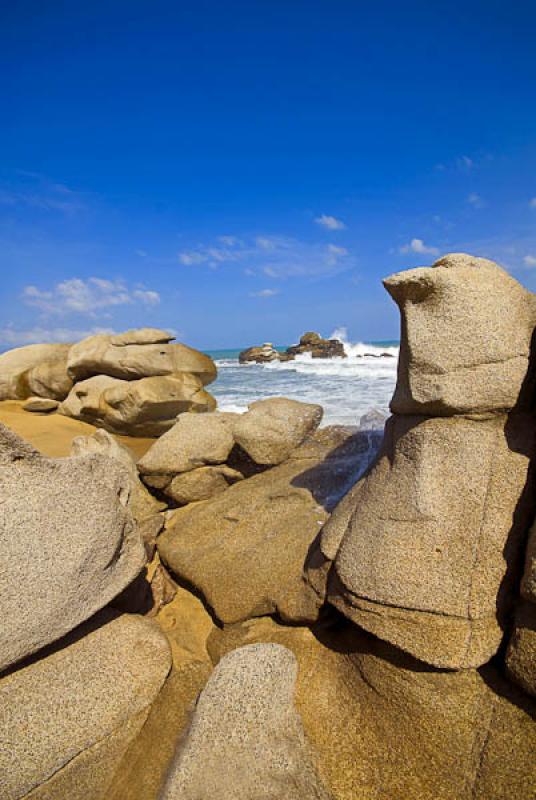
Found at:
<point>466,334</point>
<point>425,551</point>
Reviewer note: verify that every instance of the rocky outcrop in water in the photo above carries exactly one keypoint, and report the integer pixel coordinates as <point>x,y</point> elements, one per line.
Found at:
<point>318,347</point>
<point>310,342</point>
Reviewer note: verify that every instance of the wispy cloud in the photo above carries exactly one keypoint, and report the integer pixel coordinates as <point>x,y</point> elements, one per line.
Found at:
<point>532,202</point>
<point>38,192</point>
<point>418,246</point>
<point>272,256</point>
<point>529,261</point>
<point>329,222</point>
<point>16,337</point>
<point>265,293</point>
<point>87,296</point>
<point>475,200</point>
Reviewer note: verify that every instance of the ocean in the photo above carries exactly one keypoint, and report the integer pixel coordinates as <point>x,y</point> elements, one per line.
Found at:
<point>345,387</point>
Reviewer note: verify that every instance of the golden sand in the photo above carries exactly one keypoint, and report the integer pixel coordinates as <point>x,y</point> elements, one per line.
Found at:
<point>52,434</point>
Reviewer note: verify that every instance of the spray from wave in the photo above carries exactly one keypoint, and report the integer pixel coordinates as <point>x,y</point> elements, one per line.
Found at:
<point>346,388</point>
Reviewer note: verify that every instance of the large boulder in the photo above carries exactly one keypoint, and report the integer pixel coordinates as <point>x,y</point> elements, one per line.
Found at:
<point>68,718</point>
<point>467,328</point>
<point>383,725</point>
<point>423,552</point>
<point>68,543</point>
<point>141,502</point>
<point>244,550</point>
<point>146,407</point>
<point>246,738</point>
<point>194,441</point>
<point>98,355</point>
<point>201,484</point>
<point>37,369</point>
<point>271,429</point>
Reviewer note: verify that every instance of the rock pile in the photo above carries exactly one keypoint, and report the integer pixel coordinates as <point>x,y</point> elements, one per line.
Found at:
<point>135,383</point>
<point>310,342</point>
<point>330,622</point>
<point>313,343</point>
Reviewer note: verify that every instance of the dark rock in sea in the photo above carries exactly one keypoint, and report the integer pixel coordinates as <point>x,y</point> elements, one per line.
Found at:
<point>313,343</point>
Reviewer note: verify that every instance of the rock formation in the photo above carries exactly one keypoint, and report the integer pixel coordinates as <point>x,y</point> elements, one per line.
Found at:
<point>310,342</point>
<point>260,355</point>
<point>68,543</point>
<point>318,347</point>
<point>244,550</point>
<point>135,383</point>
<point>327,621</point>
<point>246,738</point>
<point>37,369</point>
<point>424,552</point>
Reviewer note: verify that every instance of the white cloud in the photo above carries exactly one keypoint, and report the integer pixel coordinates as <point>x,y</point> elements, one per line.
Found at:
<point>13,337</point>
<point>464,162</point>
<point>418,246</point>
<point>336,250</point>
<point>229,241</point>
<point>532,203</point>
<point>329,222</point>
<point>265,293</point>
<point>147,296</point>
<point>274,256</point>
<point>475,200</point>
<point>188,259</point>
<point>265,243</point>
<point>38,192</point>
<point>86,296</point>
<point>529,261</point>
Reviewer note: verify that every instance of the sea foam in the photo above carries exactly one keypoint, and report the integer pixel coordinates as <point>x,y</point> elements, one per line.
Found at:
<point>346,387</point>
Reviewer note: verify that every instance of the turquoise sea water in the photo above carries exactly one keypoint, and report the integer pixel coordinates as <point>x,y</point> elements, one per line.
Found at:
<point>345,387</point>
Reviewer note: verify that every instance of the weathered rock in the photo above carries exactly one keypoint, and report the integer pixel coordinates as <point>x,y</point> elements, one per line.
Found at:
<point>318,347</point>
<point>260,355</point>
<point>37,369</point>
<point>246,738</point>
<point>67,718</point>
<point>466,335</point>
<point>426,547</point>
<point>141,336</point>
<point>521,653</point>
<point>194,441</point>
<point>528,583</point>
<point>84,400</point>
<point>245,549</point>
<point>40,405</point>
<point>68,543</point>
<point>271,429</point>
<point>201,484</point>
<point>383,725</point>
<point>147,407</point>
<point>141,502</point>
<point>97,355</point>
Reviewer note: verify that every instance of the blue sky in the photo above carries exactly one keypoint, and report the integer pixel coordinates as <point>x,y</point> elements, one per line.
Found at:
<point>244,171</point>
